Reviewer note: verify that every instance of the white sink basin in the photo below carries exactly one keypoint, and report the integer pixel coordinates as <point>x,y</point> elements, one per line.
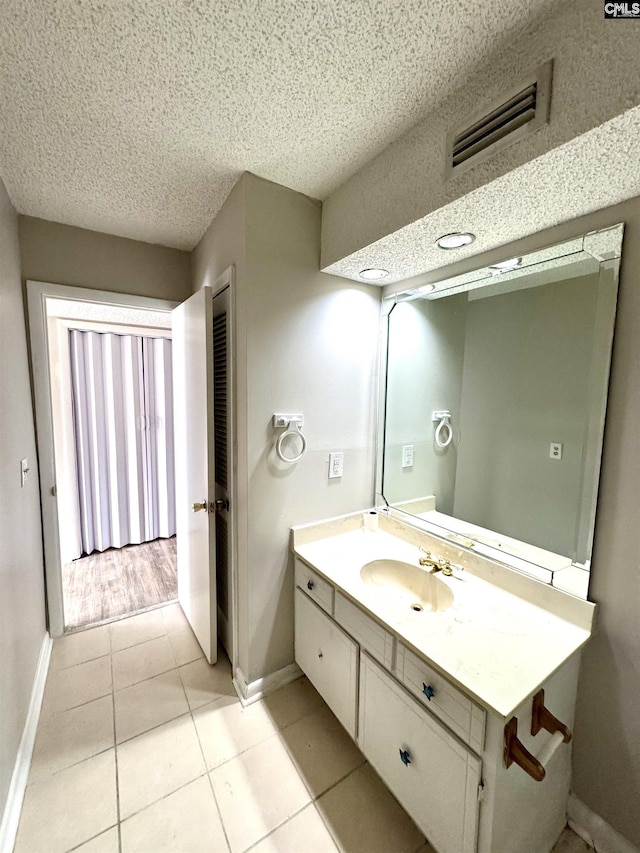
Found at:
<point>414,585</point>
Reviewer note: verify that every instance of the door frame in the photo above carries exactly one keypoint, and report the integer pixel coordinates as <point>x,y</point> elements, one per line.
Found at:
<point>224,280</point>
<point>38,293</point>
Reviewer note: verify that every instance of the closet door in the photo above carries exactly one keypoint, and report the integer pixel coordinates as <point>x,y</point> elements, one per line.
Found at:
<point>223,462</point>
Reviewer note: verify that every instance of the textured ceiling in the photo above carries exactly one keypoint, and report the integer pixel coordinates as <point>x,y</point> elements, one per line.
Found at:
<point>136,117</point>
<point>592,171</point>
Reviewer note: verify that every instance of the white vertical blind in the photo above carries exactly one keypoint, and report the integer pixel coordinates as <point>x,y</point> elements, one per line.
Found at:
<point>124,438</point>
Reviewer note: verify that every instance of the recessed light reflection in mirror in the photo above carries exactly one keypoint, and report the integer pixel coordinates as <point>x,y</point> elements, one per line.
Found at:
<point>505,266</point>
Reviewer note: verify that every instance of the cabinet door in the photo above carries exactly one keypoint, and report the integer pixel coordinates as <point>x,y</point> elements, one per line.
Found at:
<point>329,658</point>
<point>432,774</point>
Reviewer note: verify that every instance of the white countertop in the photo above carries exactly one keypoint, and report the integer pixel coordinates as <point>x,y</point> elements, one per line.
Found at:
<point>496,645</point>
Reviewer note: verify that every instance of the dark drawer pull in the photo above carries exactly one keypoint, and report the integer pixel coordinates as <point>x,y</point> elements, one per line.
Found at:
<point>309,584</point>
<point>428,691</point>
<point>404,757</point>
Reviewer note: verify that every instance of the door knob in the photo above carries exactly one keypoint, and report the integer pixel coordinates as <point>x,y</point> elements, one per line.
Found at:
<point>200,506</point>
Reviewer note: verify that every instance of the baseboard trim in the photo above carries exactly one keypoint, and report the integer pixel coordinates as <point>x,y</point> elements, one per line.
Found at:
<point>595,830</point>
<point>17,788</point>
<point>250,692</point>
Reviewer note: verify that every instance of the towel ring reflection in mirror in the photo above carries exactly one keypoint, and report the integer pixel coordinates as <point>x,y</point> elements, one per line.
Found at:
<point>444,430</point>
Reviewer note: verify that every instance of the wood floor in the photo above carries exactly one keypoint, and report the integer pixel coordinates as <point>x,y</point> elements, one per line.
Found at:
<point>118,582</point>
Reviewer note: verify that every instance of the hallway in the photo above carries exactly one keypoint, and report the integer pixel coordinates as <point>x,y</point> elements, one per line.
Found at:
<point>119,582</point>
<point>142,746</point>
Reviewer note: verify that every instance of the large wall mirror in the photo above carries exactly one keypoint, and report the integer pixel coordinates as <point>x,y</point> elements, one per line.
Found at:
<point>494,404</point>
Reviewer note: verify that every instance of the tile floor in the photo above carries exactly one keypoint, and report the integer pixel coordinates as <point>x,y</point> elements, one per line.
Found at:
<point>142,746</point>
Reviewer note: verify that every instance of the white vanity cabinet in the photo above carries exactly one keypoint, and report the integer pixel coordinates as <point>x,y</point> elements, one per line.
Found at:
<point>437,749</point>
<point>329,658</point>
<point>432,775</point>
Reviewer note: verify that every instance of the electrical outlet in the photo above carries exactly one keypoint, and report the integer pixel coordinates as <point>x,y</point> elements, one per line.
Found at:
<point>407,456</point>
<point>555,450</point>
<point>336,461</point>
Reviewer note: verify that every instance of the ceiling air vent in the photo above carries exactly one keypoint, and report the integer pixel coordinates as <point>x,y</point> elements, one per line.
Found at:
<point>522,113</point>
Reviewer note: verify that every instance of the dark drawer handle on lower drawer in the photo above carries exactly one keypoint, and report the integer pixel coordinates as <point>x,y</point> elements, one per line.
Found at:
<point>404,757</point>
<point>428,691</point>
<point>309,584</point>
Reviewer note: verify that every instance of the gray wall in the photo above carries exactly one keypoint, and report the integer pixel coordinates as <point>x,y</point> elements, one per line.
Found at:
<point>527,364</point>
<point>22,615</point>
<point>607,743</point>
<point>63,254</point>
<point>424,374</point>
<point>310,344</point>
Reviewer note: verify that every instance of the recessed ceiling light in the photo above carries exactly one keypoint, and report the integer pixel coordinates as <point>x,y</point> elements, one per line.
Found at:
<point>456,240</point>
<point>502,266</point>
<point>373,274</point>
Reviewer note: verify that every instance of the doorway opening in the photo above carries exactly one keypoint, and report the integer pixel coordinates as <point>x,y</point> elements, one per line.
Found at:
<point>104,401</point>
<point>114,522</point>
<point>203,438</point>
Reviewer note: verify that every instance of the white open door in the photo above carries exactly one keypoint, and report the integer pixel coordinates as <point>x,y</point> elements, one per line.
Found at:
<point>192,333</point>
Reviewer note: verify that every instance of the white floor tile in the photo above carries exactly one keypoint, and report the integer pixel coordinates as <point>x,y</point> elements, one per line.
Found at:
<point>156,763</point>
<point>303,833</point>
<point>143,661</point>
<point>173,618</point>
<point>382,825</point>
<point>148,704</point>
<point>70,807</point>
<point>106,842</point>
<point>76,685</point>
<point>186,821</point>
<point>80,647</point>
<point>203,683</point>
<point>71,736</point>
<point>256,792</point>
<point>226,729</point>
<point>137,629</point>
<point>321,750</point>
<point>569,842</point>
<point>292,702</point>
<point>185,646</point>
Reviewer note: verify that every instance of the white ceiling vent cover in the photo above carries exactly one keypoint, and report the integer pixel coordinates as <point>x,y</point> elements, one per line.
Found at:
<point>524,111</point>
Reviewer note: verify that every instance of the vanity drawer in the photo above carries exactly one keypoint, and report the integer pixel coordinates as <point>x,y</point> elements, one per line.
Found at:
<point>329,658</point>
<point>369,633</point>
<point>431,773</point>
<point>451,705</point>
<point>315,586</point>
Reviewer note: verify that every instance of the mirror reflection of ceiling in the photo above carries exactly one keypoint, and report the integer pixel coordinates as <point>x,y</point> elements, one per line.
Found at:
<point>518,363</point>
